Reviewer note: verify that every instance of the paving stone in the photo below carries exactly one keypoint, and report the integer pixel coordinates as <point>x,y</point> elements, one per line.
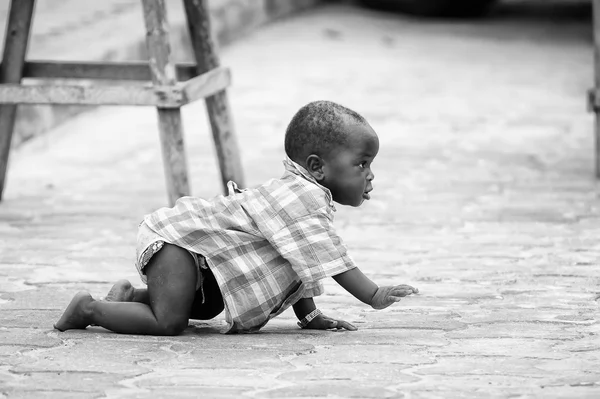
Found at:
<point>585,344</point>
<point>182,392</point>
<point>396,336</point>
<point>528,313</point>
<point>30,318</point>
<point>571,366</point>
<point>235,359</point>
<point>34,383</point>
<point>406,318</point>
<point>368,373</point>
<point>452,365</point>
<point>330,356</point>
<point>87,356</point>
<point>12,351</point>
<point>32,337</point>
<point>507,347</point>
<point>516,330</point>
<point>249,378</point>
<point>491,386</point>
<point>334,389</point>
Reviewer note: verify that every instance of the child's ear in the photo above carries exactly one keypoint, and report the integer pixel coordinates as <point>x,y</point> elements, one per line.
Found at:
<point>314,165</point>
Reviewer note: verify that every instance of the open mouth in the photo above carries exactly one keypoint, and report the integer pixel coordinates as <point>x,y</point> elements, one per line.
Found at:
<point>368,189</point>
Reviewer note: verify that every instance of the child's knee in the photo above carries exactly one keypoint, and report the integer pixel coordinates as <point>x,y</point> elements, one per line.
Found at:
<point>173,326</point>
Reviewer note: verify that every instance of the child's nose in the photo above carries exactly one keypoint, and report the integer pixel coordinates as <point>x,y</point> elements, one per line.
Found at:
<point>370,176</point>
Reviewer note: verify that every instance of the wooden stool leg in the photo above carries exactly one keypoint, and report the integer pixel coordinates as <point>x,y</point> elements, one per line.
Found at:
<point>596,27</point>
<point>217,105</point>
<point>163,74</point>
<point>11,71</point>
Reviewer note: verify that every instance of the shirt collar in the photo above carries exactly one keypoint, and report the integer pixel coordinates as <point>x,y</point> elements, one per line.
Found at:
<point>299,170</point>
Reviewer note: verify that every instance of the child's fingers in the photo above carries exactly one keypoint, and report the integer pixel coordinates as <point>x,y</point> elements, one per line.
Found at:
<point>400,292</point>
<point>404,290</point>
<point>341,324</point>
<point>410,287</point>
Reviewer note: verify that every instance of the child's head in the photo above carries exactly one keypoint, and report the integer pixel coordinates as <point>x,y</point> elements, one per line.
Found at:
<point>337,146</point>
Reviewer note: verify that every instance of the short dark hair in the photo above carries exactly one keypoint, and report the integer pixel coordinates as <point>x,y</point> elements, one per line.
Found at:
<point>317,128</point>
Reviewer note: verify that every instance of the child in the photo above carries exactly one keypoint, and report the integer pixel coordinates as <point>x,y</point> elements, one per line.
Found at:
<point>254,252</point>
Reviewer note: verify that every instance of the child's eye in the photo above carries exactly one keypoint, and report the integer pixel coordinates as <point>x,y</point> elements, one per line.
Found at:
<point>363,164</point>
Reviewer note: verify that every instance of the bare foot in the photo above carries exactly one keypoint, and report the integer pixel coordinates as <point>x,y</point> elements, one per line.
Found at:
<point>122,291</point>
<point>76,316</point>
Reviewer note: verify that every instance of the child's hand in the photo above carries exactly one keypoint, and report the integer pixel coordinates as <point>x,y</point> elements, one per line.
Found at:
<point>385,296</point>
<point>322,322</point>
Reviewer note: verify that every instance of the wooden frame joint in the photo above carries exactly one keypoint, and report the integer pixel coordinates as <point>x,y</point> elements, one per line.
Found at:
<point>206,85</point>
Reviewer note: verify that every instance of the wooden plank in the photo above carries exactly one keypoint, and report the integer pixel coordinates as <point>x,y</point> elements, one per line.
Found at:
<point>163,74</point>
<point>217,105</point>
<point>100,70</point>
<point>206,84</point>
<point>167,97</point>
<point>18,28</point>
<point>173,153</point>
<point>157,40</point>
<point>596,27</point>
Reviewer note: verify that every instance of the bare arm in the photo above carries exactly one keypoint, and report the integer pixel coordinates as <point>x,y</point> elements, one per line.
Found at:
<point>303,307</point>
<point>356,283</point>
<point>366,291</point>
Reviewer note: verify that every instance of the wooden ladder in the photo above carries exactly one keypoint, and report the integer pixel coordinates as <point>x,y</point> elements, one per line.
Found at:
<point>169,87</point>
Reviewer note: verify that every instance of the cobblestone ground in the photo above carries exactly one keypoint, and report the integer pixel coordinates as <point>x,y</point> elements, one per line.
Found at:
<point>484,199</point>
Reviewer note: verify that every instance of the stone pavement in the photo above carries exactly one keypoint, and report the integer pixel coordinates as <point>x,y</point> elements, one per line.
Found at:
<point>484,199</point>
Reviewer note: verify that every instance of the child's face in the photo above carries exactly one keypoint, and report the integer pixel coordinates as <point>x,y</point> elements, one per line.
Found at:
<point>347,172</point>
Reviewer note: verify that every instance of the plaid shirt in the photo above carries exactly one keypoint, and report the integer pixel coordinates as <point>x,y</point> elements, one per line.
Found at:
<point>267,246</point>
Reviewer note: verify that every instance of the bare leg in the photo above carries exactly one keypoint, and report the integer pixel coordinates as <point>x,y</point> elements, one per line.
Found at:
<point>141,295</point>
<point>171,291</point>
